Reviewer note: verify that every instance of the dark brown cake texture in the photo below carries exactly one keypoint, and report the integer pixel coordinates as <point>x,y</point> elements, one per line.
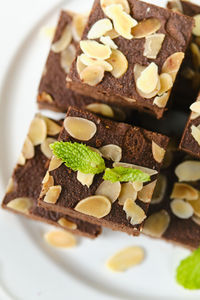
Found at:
<point>132,57</point>
<point>25,184</point>
<point>138,147</point>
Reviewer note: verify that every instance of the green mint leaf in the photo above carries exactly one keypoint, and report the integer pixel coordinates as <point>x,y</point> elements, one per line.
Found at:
<point>125,174</point>
<point>188,271</point>
<point>79,157</point>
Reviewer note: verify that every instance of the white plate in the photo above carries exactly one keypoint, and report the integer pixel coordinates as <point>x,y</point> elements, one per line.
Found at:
<point>29,268</point>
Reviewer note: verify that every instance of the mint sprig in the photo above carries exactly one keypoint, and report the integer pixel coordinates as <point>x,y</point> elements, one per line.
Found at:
<point>79,157</point>
<point>125,174</point>
<point>188,271</point>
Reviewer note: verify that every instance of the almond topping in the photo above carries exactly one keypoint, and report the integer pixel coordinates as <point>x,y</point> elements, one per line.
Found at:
<point>64,40</point>
<point>28,150</point>
<point>172,64</point>
<point>118,62</point>
<point>88,61</point>
<point>46,150</point>
<point>47,182</point>
<point>125,259</point>
<point>153,44</point>
<point>146,193</point>
<point>94,49</point>
<point>92,75</point>
<point>127,192</point>
<point>96,206</point>
<point>37,131</point>
<point>112,34</point>
<point>53,194</point>
<point>160,189</point>
<point>165,82</point>
<point>10,186</point>
<point>60,239</point>
<point>85,179</point>
<point>99,28</point>
<point>22,205</point>
<point>158,152</point>
<point>195,107</point>
<point>102,109</point>
<point>78,25</point>
<point>112,152</point>
<point>156,224</point>
<point>196,29</point>
<point>188,171</point>
<point>80,128</point>
<point>67,57</point>
<point>79,65</point>
<point>66,223</point>
<point>46,97</point>
<point>161,101</point>
<point>181,209</point>
<point>151,172</point>
<point>109,189</point>
<point>148,79</point>
<point>21,160</point>
<point>146,27</point>
<point>55,163</point>
<point>184,191</point>
<point>133,212</point>
<point>195,132</point>
<point>137,185</point>
<point>124,3</point>
<point>196,206</point>
<point>52,127</point>
<point>106,40</point>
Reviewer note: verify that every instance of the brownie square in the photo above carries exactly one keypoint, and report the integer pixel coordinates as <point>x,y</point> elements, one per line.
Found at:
<point>172,32</point>
<point>26,181</point>
<point>136,145</point>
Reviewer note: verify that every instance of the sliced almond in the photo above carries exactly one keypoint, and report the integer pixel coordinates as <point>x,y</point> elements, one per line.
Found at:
<point>113,34</point>
<point>160,189</point>
<point>112,152</point>
<point>118,62</point>
<point>106,40</point>
<point>176,6</point>
<point>146,192</point>
<point>195,107</point>
<point>53,194</point>
<point>28,150</point>
<point>161,101</point>
<point>47,182</point>
<point>78,25</point>
<point>67,224</point>
<point>184,191</point>
<point>196,220</point>
<point>133,212</point>
<point>80,128</point>
<point>22,205</point>
<point>109,189</point>
<point>102,109</point>
<point>165,82</point>
<point>95,206</point>
<point>52,127</point>
<point>196,28</point>
<point>195,132</point>
<point>46,177</point>
<point>172,64</point>
<point>181,209</point>
<point>46,97</point>
<point>85,179</point>
<point>125,259</point>
<point>122,21</point>
<point>94,49</point>
<point>60,239</point>
<point>194,115</point>
<point>88,61</point>
<point>37,131</point>
<point>46,150</point>
<point>146,27</point>
<point>92,75</point>
<point>196,206</point>
<point>79,65</point>
<point>151,172</point>
<point>55,163</point>
<point>127,192</point>
<point>148,80</point>
<point>188,171</point>
<point>21,160</point>
<point>67,57</point>
<point>99,28</point>
<point>158,152</point>
<point>124,3</point>
<point>137,185</point>
<point>156,224</point>
<point>153,44</point>
<point>64,40</point>
<point>10,186</point>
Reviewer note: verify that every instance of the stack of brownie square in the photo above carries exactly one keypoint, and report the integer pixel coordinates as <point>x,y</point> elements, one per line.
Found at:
<point>101,69</point>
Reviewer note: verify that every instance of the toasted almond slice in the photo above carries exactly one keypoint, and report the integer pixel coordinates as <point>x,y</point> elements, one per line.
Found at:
<point>160,189</point>
<point>92,75</point>
<point>53,194</point>
<point>64,40</point>
<point>22,204</point>
<point>181,209</point>
<point>133,212</point>
<point>99,28</point>
<point>161,101</point>
<point>158,152</point>
<point>176,6</point>
<point>67,57</point>
<point>172,64</point>
<point>55,163</point>
<point>148,80</point>
<point>10,186</point>
<point>196,206</point>
<point>188,171</point>
<point>67,224</point>
<point>194,115</point>
<point>196,220</point>
<point>196,28</point>
<point>151,172</point>
<point>37,131</point>
<point>165,82</point>
<point>78,25</point>
<point>195,107</point>
<point>85,179</point>
<point>127,192</point>
<point>52,127</point>
<point>60,239</point>
<point>28,150</point>
<point>153,44</point>
<point>95,206</point>
<point>106,40</point>
<point>125,259</point>
<point>124,3</point>
<point>146,192</point>
<point>102,109</point>
<point>146,27</point>
<point>137,185</point>
<point>195,132</point>
<point>113,34</point>
<point>88,61</point>
<point>80,128</point>
<point>79,65</point>
<point>118,62</point>
<point>21,160</point>
<point>46,97</point>
<point>46,177</point>
<point>94,49</point>
<point>45,147</point>
<point>47,182</point>
<point>95,150</point>
<point>184,191</point>
<point>156,224</point>
<point>122,21</point>
<point>109,189</point>
<point>112,152</point>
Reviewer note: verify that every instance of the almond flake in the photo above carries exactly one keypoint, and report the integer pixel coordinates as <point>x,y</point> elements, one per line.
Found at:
<point>158,152</point>
<point>195,107</point>
<point>100,108</point>
<point>22,205</point>
<point>78,25</point>
<point>28,150</point>
<point>88,61</point>
<point>85,179</point>
<point>137,185</point>
<point>67,57</point>
<point>80,128</point>
<point>127,192</point>
<point>148,80</point>
<point>64,40</point>
<point>118,62</point>
<point>195,132</point>
<point>172,64</point>
<point>188,171</point>
<point>146,27</point>
<point>47,182</point>
<point>94,49</point>
<point>112,152</point>
<point>92,75</point>
<point>99,28</point>
<point>133,212</point>
<point>96,206</point>
<point>146,193</point>
<point>67,224</point>
<point>161,101</point>
<point>55,163</point>
<point>37,131</point>
<point>46,150</point>
<point>151,172</point>
<point>181,209</point>
<point>52,127</point>
<point>196,28</point>
<point>21,160</point>
<point>160,189</point>
<point>156,224</point>
<point>60,239</point>
<point>153,44</point>
<point>10,186</point>
<point>196,206</point>
<point>125,259</point>
<point>46,97</point>
<point>79,65</point>
<point>53,194</point>
<point>112,34</point>
<point>184,191</point>
<point>165,82</point>
<point>124,3</point>
<point>109,189</point>
<point>106,40</point>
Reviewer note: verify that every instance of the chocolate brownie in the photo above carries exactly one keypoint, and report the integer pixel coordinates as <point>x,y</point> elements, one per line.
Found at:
<point>174,210</point>
<point>25,184</point>
<point>127,146</point>
<point>142,51</point>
